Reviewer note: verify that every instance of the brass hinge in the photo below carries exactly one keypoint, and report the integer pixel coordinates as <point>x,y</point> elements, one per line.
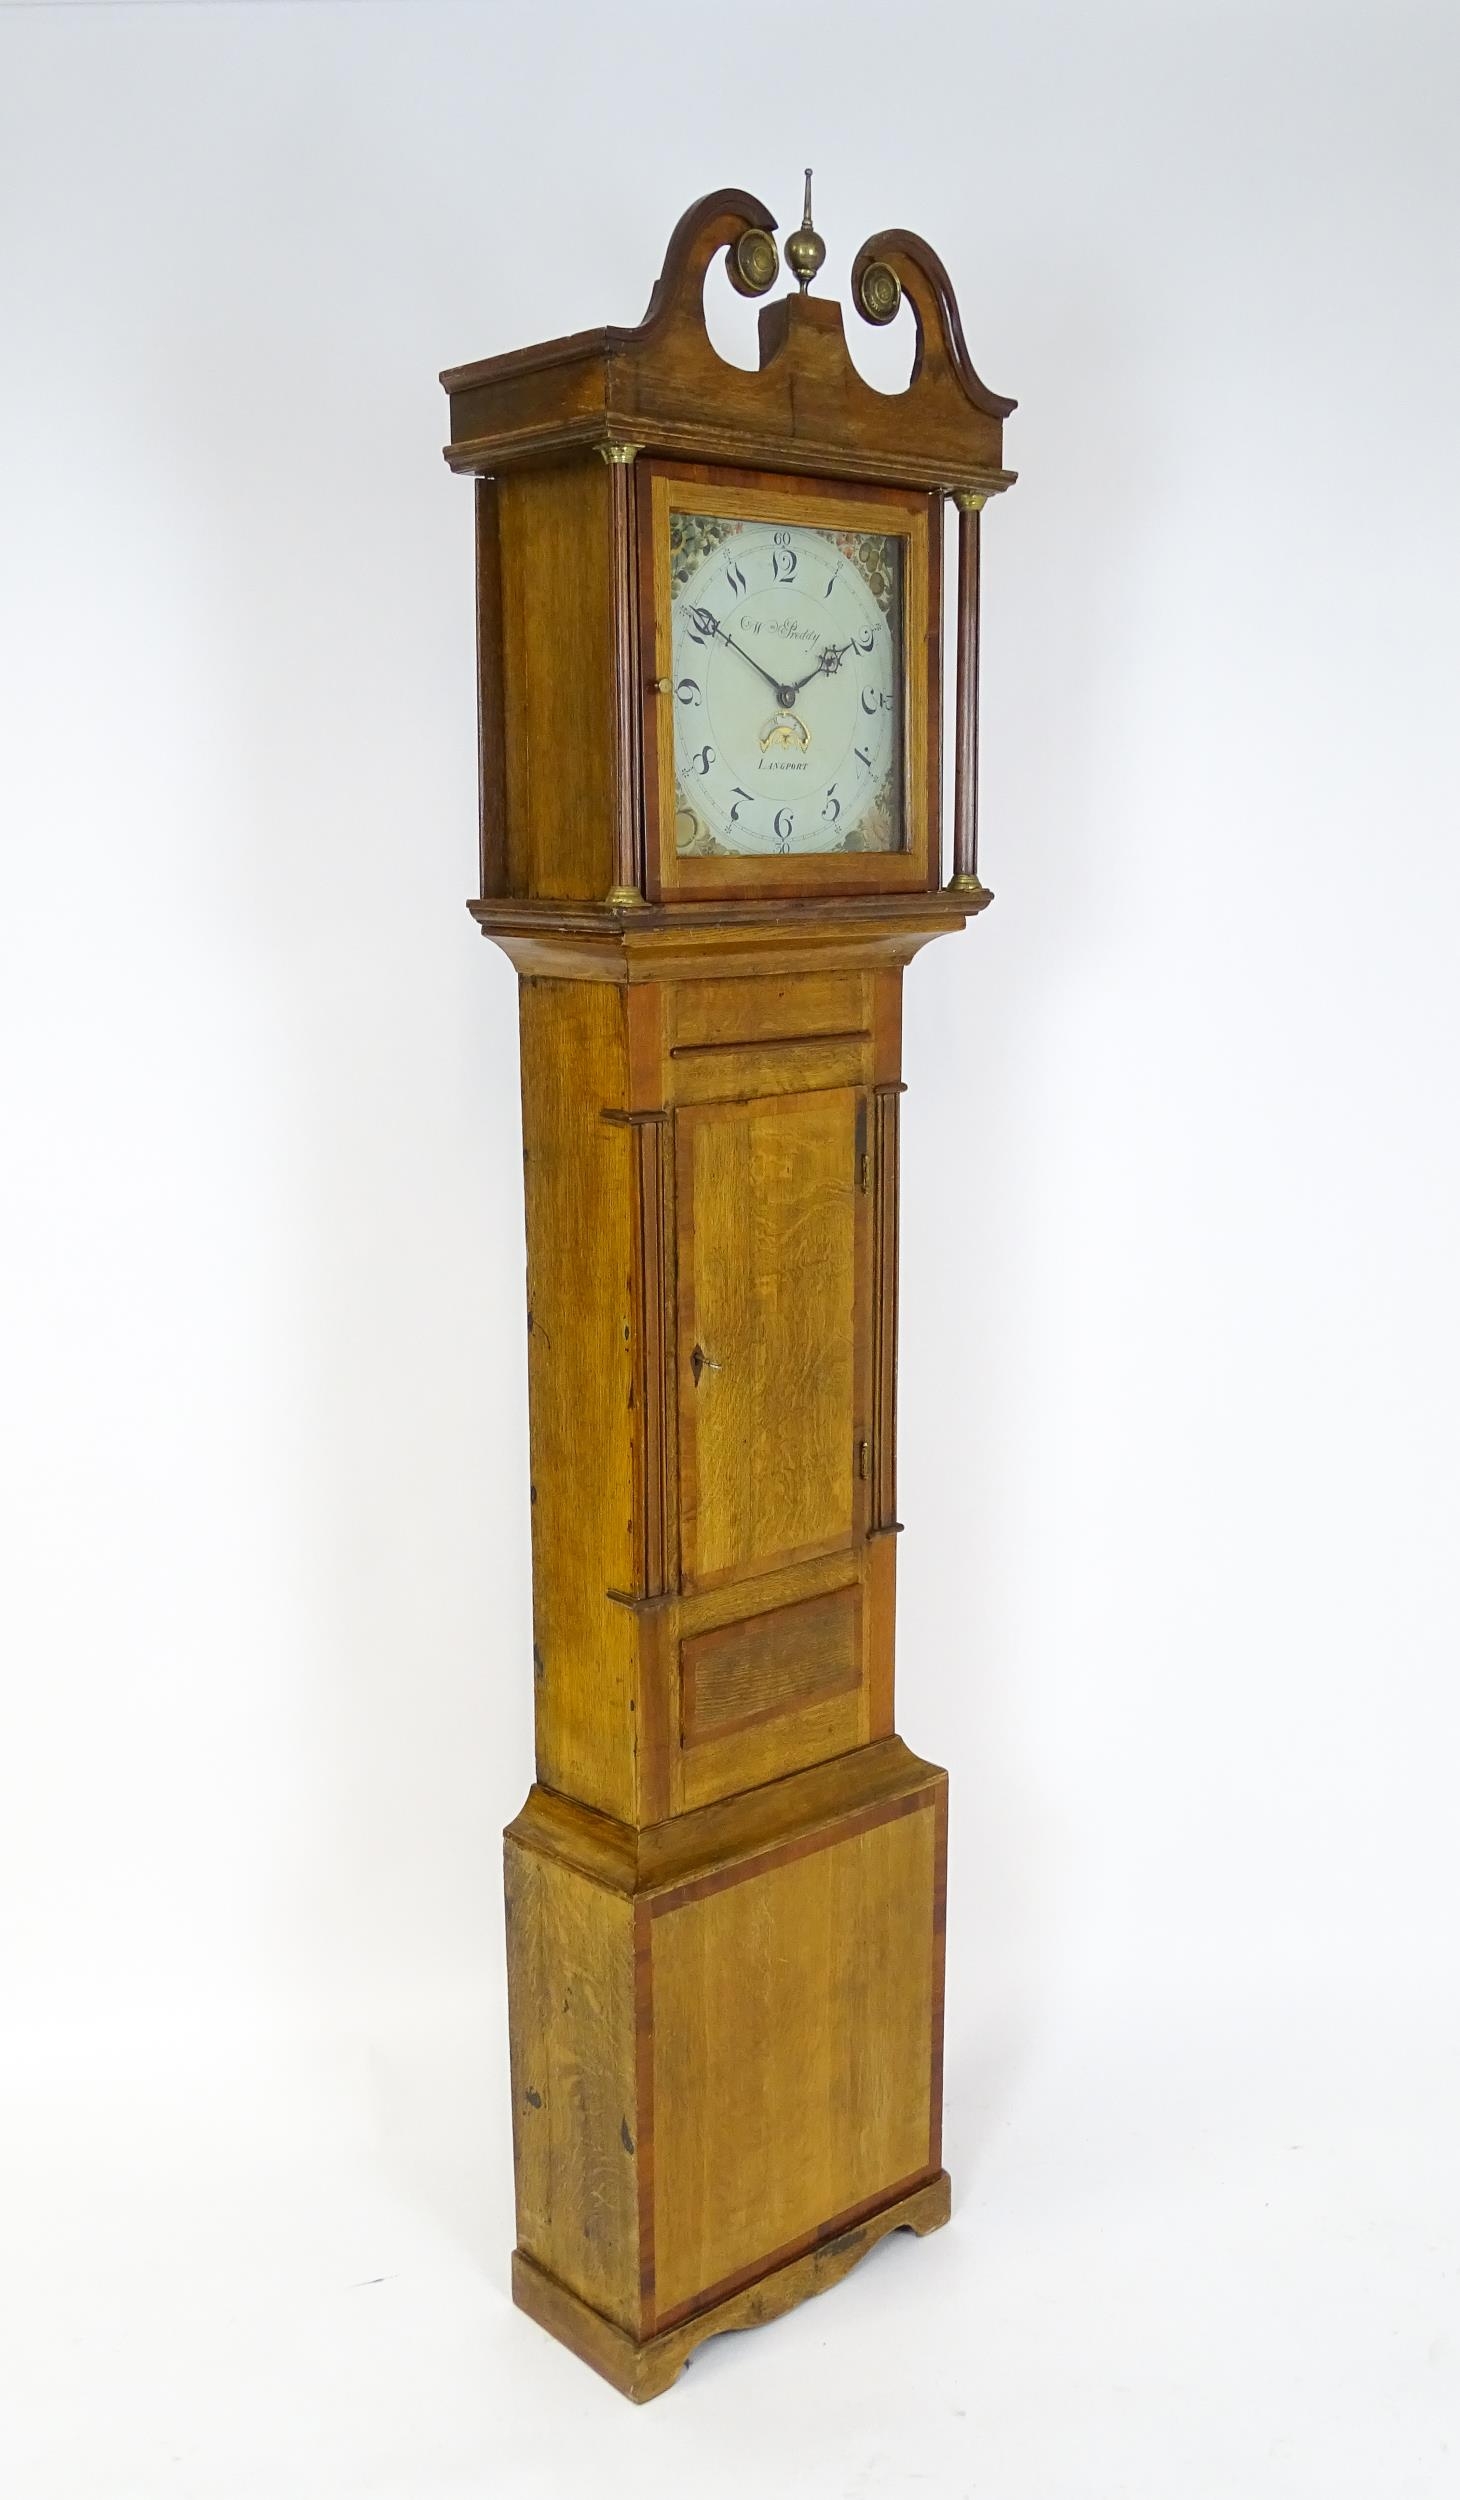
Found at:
<point>865,1172</point>
<point>863,1460</point>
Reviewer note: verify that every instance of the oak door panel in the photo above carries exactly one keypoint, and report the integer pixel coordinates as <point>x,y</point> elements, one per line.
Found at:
<point>771,1692</point>
<point>773,1293</point>
<point>769,1664</point>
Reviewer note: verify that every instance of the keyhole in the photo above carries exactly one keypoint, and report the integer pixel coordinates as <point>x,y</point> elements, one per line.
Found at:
<point>699,1362</point>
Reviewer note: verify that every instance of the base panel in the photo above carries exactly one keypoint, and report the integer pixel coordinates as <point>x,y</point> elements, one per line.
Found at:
<point>642,2370</point>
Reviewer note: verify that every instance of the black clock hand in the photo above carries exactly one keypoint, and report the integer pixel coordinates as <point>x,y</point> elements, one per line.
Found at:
<point>773,682</point>
<point>821,669</point>
<point>703,618</point>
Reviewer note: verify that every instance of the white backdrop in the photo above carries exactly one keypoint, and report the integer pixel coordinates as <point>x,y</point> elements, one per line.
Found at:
<point>1180,1603</point>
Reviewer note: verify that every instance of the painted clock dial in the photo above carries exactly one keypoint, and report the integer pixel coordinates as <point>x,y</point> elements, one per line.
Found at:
<point>787,687</point>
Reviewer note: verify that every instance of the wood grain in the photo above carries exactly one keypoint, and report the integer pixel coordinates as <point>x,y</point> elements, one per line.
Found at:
<point>644,2369</point>
<point>732,940</point>
<point>769,1750</point>
<point>885,1193</point>
<point>628,807</point>
<point>491,723</point>
<point>561,757</point>
<point>653,1441</point>
<point>765,1695</point>
<point>722,2051</point>
<point>965,782</point>
<point>582,1241</point>
<point>727,1014</point>
<point>575,2080</point>
<point>879,1579</point>
<point>765,1665</point>
<point>807,409</point>
<point>792,2050</point>
<point>746,1072</point>
<point>772,1299</point>
<point>662,1857</point>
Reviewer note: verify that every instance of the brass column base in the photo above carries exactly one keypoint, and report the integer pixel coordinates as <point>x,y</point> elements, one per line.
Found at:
<point>640,2371</point>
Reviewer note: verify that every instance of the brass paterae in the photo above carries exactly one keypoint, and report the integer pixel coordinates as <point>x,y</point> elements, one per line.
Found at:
<point>753,261</point>
<point>880,293</point>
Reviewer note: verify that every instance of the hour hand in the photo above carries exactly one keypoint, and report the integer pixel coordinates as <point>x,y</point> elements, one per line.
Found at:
<point>829,662</point>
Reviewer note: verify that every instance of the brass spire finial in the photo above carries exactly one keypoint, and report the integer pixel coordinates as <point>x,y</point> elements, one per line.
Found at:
<point>805,250</point>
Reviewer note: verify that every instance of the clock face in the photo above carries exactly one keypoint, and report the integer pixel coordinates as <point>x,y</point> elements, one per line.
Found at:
<point>787,687</point>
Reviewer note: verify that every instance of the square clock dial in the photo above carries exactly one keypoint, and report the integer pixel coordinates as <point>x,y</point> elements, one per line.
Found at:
<point>787,680</point>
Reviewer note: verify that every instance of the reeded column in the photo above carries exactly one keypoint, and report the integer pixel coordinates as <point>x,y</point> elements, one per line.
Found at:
<point>965,878</point>
<point>626,890</point>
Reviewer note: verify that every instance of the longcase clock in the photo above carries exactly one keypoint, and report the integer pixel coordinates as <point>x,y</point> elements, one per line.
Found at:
<point>711,609</point>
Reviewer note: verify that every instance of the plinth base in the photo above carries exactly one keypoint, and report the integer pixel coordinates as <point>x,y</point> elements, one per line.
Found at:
<point>727,2045</point>
<point>640,2371</point>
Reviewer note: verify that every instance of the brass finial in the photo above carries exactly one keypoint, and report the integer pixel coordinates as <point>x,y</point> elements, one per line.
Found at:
<point>805,250</point>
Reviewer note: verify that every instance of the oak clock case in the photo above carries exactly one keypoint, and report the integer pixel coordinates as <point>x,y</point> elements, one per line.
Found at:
<point>710,620</point>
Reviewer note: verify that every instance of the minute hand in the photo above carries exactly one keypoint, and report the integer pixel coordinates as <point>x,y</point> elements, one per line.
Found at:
<point>711,624</point>
<point>773,682</point>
